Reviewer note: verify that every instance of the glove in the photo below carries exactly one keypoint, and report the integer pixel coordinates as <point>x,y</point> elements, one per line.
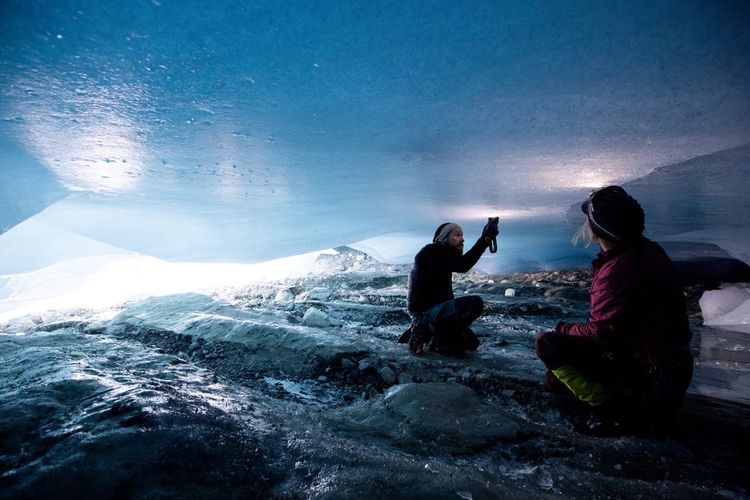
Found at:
<point>490,229</point>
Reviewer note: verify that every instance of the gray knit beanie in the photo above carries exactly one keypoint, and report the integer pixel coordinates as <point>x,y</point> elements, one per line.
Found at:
<point>442,232</point>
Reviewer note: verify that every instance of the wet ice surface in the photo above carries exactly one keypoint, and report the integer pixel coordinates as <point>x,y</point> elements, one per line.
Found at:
<point>299,389</point>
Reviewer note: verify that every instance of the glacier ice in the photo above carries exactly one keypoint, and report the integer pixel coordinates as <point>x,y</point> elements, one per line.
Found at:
<point>728,307</point>
<point>323,125</point>
<point>197,170</point>
<point>26,186</point>
<point>238,384</point>
<point>314,125</point>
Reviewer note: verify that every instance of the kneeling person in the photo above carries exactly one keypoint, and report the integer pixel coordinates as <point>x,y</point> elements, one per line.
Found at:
<point>632,358</point>
<point>441,322</point>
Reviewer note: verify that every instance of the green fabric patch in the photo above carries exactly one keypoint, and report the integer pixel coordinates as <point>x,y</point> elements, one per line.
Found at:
<point>584,389</point>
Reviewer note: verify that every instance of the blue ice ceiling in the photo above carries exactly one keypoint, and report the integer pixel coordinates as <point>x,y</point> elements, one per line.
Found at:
<point>328,122</point>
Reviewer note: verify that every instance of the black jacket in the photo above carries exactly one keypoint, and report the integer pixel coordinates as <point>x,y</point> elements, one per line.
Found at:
<point>430,279</point>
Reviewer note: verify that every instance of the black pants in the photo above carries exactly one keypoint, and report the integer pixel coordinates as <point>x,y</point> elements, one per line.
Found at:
<point>449,323</point>
<point>556,350</point>
<point>655,390</point>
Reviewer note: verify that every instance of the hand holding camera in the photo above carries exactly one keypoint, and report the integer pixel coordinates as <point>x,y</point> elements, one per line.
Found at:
<point>491,229</point>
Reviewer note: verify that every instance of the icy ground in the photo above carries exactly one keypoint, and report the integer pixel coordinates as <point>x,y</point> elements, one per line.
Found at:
<point>297,388</point>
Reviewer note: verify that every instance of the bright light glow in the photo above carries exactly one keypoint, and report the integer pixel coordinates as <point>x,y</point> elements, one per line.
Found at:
<point>95,148</point>
<point>104,281</point>
<point>477,212</point>
<point>102,157</point>
<point>73,271</point>
<point>592,169</point>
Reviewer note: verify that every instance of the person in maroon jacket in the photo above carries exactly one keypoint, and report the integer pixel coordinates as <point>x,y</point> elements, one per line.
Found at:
<point>632,356</point>
<point>441,322</point>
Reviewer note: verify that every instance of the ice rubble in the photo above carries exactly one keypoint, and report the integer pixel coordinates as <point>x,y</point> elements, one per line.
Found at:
<point>266,334</point>
<point>263,404</point>
<point>728,307</point>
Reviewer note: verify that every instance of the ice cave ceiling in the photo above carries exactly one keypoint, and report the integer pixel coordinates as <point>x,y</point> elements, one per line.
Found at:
<point>357,117</point>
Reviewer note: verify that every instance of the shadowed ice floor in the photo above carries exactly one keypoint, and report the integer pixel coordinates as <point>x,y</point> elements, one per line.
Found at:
<point>299,389</point>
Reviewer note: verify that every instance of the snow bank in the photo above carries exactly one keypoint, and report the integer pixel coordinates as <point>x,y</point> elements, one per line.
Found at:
<point>44,268</point>
<point>105,281</point>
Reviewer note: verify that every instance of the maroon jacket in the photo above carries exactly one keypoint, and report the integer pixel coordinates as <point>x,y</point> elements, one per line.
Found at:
<point>636,302</point>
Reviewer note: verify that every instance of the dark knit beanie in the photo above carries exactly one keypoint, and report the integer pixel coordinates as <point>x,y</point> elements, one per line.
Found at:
<point>614,215</point>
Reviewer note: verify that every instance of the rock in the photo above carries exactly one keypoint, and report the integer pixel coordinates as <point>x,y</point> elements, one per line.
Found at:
<point>404,378</point>
<point>509,292</point>
<point>95,328</point>
<point>319,293</point>
<point>449,416</point>
<point>316,318</point>
<point>449,409</point>
<point>284,295</point>
<point>388,375</point>
<point>347,364</point>
<point>322,378</point>
<point>367,363</point>
<point>567,293</point>
<point>545,480</point>
<point>328,263</point>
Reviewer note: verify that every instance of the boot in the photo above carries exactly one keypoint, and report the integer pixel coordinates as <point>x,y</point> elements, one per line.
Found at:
<point>470,340</point>
<point>419,339</point>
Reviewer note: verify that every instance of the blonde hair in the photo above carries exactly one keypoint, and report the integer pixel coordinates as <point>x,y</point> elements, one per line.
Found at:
<point>584,235</point>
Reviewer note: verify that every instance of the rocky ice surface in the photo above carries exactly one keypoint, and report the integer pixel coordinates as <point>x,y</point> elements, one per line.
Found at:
<point>298,388</point>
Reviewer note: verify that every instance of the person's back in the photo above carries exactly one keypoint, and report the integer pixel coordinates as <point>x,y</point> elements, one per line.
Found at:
<point>661,323</point>
<point>652,318</point>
